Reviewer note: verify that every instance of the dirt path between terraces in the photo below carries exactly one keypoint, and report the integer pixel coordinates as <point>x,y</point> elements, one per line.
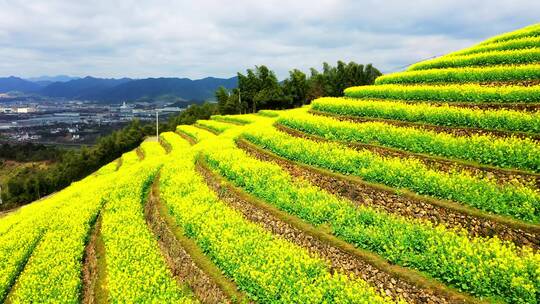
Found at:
<point>94,289</point>
<point>179,260</point>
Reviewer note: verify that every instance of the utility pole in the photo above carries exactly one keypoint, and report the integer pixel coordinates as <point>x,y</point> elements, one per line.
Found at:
<point>157,125</point>
<point>240,102</point>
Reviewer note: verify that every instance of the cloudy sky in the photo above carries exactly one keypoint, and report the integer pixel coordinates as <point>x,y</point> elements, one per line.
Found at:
<point>218,38</point>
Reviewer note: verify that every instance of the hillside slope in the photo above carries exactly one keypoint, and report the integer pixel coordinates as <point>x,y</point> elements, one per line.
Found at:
<point>423,188</point>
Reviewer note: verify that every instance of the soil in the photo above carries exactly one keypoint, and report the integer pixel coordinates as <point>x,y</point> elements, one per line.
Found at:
<point>527,107</point>
<point>187,137</point>
<point>140,153</point>
<point>179,261</point>
<point>165,145</point>
<point>523,83</point>
<point>93,270</point>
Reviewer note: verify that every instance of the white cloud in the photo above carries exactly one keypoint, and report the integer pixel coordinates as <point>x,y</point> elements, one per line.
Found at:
<point>201,38</point>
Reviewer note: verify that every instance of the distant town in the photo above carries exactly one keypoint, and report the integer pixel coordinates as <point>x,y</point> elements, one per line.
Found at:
<point>70,122</point>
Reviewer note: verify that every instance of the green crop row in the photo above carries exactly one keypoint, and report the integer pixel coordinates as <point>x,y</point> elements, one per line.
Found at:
<point>152,149</point>
<point>448,93</point>
<point>50,235</point>
<point>509,152</point>
<point>53,272</point>
<point>9,221</point>
<point>528,31</point>
<point>177,144</point>
<point>129,158</point>
<point>108,168</point>
<point>464,75</point>
<point>136,271</point>
<point>268,113</point>
<point>213,125</point>
<point>237,119</point>
<point>516,201</point>
<point>505,57</point>
<point>516,44</point>
<point>267,268</point>
<point>16,246</point>
<point>482,267</point>
<point>195,133</point>
<point>444,115</point>
<point>18,216</point>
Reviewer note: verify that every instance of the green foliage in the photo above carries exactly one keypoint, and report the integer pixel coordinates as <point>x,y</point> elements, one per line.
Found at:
<point>222,97</point>
<point>197,134</point>
<point>445,115</point>
<point>260,89</point>
<point>463,75</point>
<point>30,152</point>
<point>448,93</point>
<point>334,80</point>
<point>75,164</point>
<point>59,226</point>
<point>513,200</point>
<point>515,44</point>
<point>523,56</point>
<point>16,245</point>
<point>50,235</point>
<point>268,268</point>
<point>528,31</point>
<point>296,86</point>
<point>136,271</point>
<point>213,125</point>
<point>53,271</point>
<point>268,113</point>
<point>483,267</point>
<point>238,119</point>
<point>191,115</point>
<point>511,152</point>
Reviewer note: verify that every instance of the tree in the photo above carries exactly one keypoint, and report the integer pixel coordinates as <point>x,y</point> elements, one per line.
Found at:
<point>259,88</point>
<point>334,80</point>
<point>32,183</point>
<point>222,97</point>
<point>296,87</point>
<point>233,104</point>
<point>191,115</point>
<point>271,98</point>
<point>248,86</point>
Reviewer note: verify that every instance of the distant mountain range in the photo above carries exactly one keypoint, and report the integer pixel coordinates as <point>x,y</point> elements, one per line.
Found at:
<point>51,79</point>
<point>110,90</point>
<point>10,84</point>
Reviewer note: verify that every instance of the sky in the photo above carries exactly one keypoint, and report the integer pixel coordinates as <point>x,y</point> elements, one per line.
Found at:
<point>203,38</point>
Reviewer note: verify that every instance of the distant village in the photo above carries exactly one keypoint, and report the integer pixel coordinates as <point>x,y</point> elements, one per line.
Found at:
<point>76,122</point>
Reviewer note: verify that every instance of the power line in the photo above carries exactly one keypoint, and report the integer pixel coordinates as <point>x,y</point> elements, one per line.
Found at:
<point>408,65</point>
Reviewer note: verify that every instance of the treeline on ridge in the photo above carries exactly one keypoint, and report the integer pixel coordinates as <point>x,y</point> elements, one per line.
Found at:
<point>260,89</point>
<point>30,184</point>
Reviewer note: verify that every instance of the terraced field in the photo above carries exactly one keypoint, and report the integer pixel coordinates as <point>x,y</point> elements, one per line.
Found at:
<point>423,188</point>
